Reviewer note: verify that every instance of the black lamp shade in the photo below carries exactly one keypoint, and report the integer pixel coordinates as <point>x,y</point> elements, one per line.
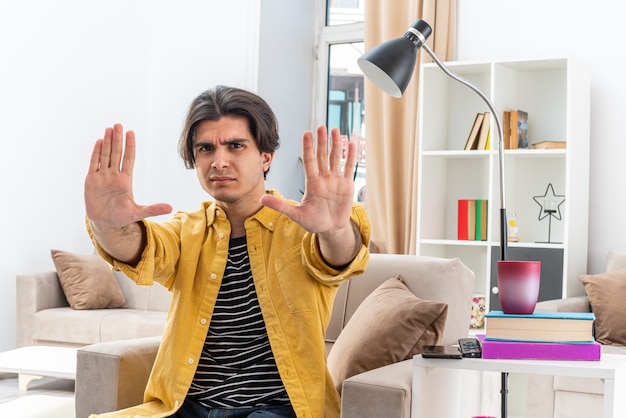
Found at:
<point>391,64</point>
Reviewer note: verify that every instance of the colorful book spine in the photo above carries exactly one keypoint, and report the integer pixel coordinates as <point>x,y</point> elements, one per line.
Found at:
<point>539,350</point>
<point>481,220</point>
<point>472,220</point>
<point>462,219</point>
<point>466,219</point>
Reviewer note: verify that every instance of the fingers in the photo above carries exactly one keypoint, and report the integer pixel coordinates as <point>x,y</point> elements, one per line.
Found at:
<point>308,155</point>
<point>111,151</point>
<point>94,163</point>
<point>317,160</point>
<point>117,140</point>
<point>350,163</point>
<point>335,151</point>
<point>321,151</point>
<point>105,149</point>
<point>280,205</point>
<point>156,210</point>
<point>129,154</point>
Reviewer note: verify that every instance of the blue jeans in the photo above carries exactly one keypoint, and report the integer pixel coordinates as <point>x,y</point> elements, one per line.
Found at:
<point>192,409</point>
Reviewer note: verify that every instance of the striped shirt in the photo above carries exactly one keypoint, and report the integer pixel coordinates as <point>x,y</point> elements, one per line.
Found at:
<point>237,366</point>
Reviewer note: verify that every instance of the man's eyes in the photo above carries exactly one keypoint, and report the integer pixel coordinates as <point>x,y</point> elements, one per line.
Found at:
<point>210,147</point>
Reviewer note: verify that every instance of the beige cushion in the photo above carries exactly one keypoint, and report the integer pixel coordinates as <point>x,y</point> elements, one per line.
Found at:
<point>390,325</point>
<point>87,281</point>
<point>607,292</point>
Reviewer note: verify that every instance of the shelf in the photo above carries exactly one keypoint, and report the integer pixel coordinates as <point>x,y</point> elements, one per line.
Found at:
<point>555,93</point>
<point>487,243</point>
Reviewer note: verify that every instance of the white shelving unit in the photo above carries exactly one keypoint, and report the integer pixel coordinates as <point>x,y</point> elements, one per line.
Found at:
<point>555,93</point>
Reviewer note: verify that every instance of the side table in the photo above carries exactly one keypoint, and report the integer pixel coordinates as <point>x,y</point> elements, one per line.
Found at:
<point>36,361</point>
<point>437,382</point>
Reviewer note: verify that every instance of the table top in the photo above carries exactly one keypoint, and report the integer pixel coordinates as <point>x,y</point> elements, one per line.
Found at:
<point>606,368</point>
<point>40,360</point>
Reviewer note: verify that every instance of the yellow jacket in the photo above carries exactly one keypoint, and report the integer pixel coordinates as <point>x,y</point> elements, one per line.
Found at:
<point>294,285</point>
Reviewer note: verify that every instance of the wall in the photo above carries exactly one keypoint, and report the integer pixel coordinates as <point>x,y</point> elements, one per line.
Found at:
<point>70,69</point>
<point>285,80</point>
<point>592,34</point>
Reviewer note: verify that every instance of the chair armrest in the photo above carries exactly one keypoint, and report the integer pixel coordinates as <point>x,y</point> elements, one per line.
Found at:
<point>113,375</point>
<point>35,292</point>
<point>383,392</point>
<point>573,304</point>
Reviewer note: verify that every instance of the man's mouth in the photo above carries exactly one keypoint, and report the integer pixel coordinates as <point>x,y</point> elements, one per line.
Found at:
<point>220,180</point>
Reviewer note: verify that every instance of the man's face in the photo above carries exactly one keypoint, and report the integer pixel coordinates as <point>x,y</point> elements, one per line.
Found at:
<point>229,164</point>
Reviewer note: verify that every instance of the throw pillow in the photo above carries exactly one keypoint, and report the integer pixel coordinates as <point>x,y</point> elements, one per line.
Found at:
<point>87,281</point>
<point>607,292</point>
<point>390,325</point>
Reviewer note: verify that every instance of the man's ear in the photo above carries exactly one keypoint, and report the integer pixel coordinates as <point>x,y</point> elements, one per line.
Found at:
<point>267,158</point>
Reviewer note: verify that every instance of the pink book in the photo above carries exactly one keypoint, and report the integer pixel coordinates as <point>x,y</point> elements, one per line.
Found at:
<point>498,349</point>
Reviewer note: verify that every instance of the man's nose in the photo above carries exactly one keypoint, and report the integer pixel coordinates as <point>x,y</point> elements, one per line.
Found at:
<point>220,160</point>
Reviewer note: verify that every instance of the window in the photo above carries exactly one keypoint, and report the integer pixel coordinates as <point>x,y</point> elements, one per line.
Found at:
<point>340,103</point>
<point>341,12</point>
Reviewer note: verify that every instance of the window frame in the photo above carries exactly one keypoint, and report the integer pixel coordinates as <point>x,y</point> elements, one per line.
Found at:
<point>328,36</point>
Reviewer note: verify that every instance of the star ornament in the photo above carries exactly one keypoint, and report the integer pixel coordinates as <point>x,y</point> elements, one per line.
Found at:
<point>550,203</point>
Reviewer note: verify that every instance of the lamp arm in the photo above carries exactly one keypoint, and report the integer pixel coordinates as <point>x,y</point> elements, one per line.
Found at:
<point>492,108</point>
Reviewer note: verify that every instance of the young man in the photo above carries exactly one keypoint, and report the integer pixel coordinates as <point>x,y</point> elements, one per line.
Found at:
<point>252,276</point>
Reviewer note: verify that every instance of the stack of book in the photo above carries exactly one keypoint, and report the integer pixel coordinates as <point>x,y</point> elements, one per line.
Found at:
<point>540,336</point>
<point>480,135</point>
<point>472,219</point>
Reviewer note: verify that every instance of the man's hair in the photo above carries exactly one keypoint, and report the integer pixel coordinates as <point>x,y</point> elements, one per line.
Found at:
<point>221,101</point>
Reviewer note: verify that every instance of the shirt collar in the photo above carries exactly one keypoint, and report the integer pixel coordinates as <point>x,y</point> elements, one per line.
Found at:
<point>265,216</point>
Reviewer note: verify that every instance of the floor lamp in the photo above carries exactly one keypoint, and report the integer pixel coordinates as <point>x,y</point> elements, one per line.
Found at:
<point>390,67</point>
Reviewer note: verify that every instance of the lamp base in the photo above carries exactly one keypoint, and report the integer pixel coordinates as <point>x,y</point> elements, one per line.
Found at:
<point>518,286</point>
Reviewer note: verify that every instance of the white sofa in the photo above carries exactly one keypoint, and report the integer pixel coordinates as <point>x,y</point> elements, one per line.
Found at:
<point>44,316</point>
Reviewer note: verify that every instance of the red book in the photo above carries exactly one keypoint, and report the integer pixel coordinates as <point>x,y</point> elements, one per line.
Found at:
<point>466,219</point>
<point>462,216</point>
<point>525,350</point>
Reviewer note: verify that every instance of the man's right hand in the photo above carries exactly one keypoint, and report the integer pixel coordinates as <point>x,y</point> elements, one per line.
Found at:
<point>109,200</point>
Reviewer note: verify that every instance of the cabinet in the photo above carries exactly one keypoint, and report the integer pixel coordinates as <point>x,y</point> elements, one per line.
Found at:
<point>555,93</point>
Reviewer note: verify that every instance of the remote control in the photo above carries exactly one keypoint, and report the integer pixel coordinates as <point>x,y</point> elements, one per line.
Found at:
<point>470,347</point>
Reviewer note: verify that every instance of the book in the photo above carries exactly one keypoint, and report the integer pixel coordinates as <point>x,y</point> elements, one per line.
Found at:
<point>550,145</point>
<point>515,129</point>
<point>485,127</point>
<point>471,219</point>
<point>462,219</point>
<point>481,220</point>
<point>506,128</point>
<point>522,129</point>
<point>472,139</point>
<point>512,137</point>
<point>540,326</point>
<point>526,350</point>
<point>466,219</point>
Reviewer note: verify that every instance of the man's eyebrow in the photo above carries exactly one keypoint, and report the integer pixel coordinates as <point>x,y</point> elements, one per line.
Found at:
<point>233,141</point>
<point>223,141</point>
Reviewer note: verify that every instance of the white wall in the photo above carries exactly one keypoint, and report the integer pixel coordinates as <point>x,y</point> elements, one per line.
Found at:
<point>590,32</point>
<point>285,80</point>
<point>70,68</point>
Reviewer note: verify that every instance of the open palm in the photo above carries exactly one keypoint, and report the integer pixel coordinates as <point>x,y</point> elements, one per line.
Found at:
<point>109,197</point>
<point>328,194</point>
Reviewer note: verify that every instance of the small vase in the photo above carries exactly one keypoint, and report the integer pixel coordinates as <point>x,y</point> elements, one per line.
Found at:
<point>518,286</point>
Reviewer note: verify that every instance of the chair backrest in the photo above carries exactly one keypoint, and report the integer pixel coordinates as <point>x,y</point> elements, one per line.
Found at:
<point>615,260</point>
<point>430,278</point>
<point>147,298</point>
